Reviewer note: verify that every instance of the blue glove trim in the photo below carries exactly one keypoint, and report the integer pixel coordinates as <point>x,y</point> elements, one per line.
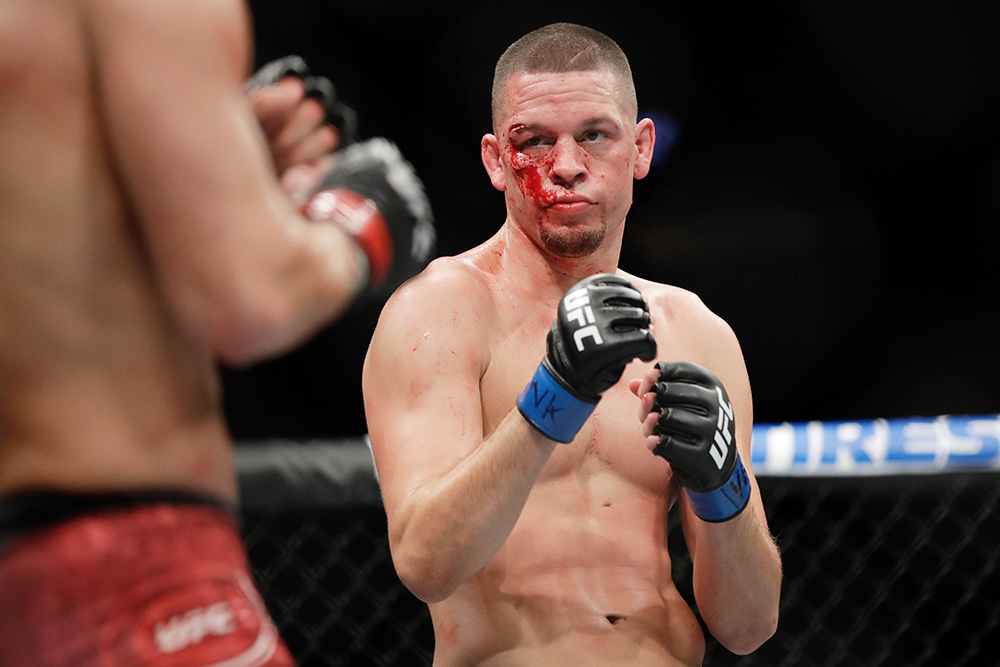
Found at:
<point>725,502</point>
<point>551,408</point>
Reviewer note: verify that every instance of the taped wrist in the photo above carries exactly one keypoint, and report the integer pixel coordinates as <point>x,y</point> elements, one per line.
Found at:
<point>552,408</point>
<point>725,502</point>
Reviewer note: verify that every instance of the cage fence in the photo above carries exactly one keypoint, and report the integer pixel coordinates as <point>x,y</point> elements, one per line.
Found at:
<point>889,559</point>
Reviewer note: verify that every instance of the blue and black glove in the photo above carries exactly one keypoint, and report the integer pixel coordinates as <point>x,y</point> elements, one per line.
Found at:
<point>602,325</point>
<point>697,430</point>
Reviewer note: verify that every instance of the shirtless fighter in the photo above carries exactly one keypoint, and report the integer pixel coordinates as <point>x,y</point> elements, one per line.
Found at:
<point>526,504</point>
<point>143,236</point>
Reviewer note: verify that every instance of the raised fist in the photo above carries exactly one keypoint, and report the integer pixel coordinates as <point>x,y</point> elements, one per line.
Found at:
<point>602,324</point>
<point>376,195</point>
<point>319,88</point>
<point>697,435</point>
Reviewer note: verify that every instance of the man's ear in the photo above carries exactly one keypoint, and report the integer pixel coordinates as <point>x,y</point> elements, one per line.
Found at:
<point>490,149</point>
<point>645,139</point>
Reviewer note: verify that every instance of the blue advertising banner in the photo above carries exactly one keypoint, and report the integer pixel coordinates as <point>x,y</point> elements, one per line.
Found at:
<point>920,445</point>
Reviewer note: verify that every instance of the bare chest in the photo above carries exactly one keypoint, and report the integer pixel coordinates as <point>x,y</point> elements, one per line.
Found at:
<point>610,444</point>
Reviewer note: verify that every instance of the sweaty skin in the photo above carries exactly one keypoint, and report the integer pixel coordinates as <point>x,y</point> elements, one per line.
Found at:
<point>530,552</point>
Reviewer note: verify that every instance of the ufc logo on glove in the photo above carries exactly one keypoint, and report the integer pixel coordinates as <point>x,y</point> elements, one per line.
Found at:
<point>578,310</point>
<point>601,325</point>
<point>697,431</point>
<point>723,435</point>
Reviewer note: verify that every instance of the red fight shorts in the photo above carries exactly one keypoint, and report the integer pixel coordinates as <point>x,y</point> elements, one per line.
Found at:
<point>135,585</point>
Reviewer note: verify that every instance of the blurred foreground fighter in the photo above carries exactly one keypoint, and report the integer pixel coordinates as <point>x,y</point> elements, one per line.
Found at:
<point>526,504</point>
<point>144,236</point>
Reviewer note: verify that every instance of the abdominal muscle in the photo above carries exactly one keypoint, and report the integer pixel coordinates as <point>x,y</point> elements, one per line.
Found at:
<point>583,579</point>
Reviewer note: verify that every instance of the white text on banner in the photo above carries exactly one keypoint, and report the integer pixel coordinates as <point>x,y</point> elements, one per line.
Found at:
<point>920,445</point>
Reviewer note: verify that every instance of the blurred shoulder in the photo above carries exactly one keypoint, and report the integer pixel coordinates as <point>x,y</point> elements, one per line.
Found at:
<point>224,26</point>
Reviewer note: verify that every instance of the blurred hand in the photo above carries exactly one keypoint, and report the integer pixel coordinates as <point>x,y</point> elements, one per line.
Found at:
<point>300,139</point>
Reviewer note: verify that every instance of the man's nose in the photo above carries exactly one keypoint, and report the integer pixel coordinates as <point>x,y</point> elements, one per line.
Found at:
<point>568,161</point>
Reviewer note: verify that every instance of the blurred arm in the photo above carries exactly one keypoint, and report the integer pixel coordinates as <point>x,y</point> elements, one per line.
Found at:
<point>242,273</point>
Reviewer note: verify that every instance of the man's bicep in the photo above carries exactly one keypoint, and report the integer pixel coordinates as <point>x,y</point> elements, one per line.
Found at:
<point>422,400</point>
<point>734,375</point>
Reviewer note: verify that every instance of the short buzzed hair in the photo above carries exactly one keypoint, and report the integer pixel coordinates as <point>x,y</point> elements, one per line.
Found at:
<point>563,47</point>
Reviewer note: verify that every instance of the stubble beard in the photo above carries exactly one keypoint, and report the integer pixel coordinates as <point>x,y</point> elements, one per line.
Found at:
<point>572,242</point>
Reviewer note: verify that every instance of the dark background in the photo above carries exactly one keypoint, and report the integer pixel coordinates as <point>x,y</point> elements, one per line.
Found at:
<point>827,180</point>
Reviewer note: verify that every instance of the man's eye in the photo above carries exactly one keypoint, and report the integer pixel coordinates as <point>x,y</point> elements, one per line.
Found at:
<point>593,135</point>
<point>534,142</point>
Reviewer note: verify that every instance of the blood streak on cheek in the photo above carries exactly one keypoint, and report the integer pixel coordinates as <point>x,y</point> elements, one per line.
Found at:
<point>528,174</point>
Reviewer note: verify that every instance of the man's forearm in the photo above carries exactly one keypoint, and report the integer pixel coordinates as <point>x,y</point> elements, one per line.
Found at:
<point>737,579</point>
<point>451,527</point>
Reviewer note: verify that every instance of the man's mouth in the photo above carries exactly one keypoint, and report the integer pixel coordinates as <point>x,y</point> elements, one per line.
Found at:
<point>570,205</point>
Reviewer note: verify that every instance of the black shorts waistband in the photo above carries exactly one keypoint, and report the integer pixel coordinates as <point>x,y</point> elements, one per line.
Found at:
<point>28,511</point>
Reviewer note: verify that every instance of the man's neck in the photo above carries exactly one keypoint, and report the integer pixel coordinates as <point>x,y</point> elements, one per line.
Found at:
<point>524,257</point>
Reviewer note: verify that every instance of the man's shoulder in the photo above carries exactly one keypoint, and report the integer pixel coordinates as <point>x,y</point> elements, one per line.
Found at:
<point>669,298</point>
<point>688,327</point>
<point>447,282</point>
<point>451,274</point>
<point>681,307</point>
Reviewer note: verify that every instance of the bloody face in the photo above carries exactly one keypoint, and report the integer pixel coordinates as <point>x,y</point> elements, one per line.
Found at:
<point>569,150</point>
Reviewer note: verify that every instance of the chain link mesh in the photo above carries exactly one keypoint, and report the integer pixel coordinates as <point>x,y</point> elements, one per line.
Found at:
<point>878,572</point>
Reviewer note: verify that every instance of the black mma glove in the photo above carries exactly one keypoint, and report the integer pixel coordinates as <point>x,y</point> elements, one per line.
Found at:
<point>697,430</point>
<point>320,88</point>
<point>602,324</point>
<point>374,193</point>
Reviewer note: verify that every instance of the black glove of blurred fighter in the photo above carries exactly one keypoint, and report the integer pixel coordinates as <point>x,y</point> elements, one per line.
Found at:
<point>369,188</point>
<point>320,88</point>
